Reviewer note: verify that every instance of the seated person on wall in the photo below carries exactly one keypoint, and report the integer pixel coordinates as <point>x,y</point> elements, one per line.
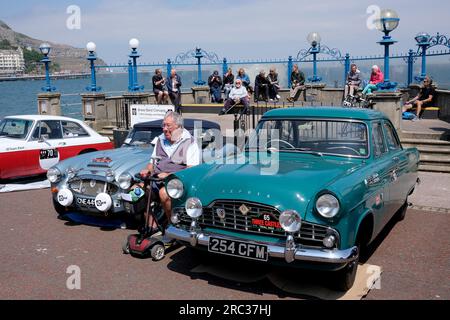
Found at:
<point>298,84</point>
<point>245,80</point>
<point>423,99</point>
<point>174,87</point>
<point>228,80</point>
<point>215,87</point>
<point>261,86</point>
<point>274,85</point>
<point>238,95</point>
<point>376,77</point>
<point>177,150</point>
<point>353,81</point>
<point>161,94</point>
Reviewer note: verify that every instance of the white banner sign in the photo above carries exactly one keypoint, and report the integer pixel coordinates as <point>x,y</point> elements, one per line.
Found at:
<point>148,112</point>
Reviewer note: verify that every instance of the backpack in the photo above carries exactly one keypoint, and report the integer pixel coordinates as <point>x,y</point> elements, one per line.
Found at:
<point>408,115</point>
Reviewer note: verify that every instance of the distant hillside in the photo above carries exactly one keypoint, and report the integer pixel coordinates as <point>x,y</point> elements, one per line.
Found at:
<point>67,57</point>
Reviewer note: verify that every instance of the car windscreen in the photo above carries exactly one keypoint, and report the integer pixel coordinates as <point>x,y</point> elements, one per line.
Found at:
<point>142,136</point>
<point>317,136</point>
<point>15,128</point>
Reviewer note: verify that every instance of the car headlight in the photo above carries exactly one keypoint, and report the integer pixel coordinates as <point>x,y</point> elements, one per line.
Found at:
<point>175,188</point>
<point>124,180</point>
<point>194,207</point>
<point>290,221</point>
<point>327,205</point>
<point>53,175</point>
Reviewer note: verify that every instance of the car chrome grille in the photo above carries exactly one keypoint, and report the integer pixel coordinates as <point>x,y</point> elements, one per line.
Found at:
<point>310,234</point>
<point>92,187</point>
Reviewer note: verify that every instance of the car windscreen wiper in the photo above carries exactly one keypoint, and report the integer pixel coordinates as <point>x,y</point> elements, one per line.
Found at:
<point>307,150</point>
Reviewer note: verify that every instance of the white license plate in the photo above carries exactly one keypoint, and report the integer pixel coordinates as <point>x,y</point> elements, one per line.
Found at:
<point>85,202</point>
<point>238,248</point>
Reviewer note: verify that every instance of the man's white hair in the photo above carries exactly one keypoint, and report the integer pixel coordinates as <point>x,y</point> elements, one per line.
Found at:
<point>177,118</point>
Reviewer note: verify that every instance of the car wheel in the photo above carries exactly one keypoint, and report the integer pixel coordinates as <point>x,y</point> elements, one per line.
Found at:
<point>61,210</point>
<point>401,213</point>
<point>345,277</point>
<point>158,252</point>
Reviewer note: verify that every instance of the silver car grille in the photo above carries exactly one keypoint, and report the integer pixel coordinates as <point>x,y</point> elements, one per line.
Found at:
<point>310,234</point>
<point>92,187</point>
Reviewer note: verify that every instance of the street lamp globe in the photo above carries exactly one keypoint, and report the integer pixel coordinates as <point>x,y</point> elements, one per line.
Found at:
<point>388,21</point>
<point>45,48</point>
<point>314,38</point>
<point>90,46</point>
<point>422,37</point>
<point>134,43</point>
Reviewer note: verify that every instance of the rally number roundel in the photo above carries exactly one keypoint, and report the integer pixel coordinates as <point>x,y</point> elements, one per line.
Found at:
<point>48,158</point>
<point>103,202</point>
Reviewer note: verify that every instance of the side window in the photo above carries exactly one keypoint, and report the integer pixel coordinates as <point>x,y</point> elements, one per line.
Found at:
<point>51,128</point>
<point>379,148</point>
<point>73,130</point>
<point>391,140</point>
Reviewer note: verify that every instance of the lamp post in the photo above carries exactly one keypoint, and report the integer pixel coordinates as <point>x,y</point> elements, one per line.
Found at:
<point>91,58</point>
<point>199,56</point>
<point>387,23</point>
<point>134,44</point>
<point>314,39</point>
<point>423,41</point>
<point>45,50</point>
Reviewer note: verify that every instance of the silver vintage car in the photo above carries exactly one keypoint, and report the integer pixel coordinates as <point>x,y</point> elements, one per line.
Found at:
<point>94,186</point>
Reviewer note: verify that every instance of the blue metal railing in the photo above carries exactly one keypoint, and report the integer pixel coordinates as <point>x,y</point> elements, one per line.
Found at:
<point>334,55</point>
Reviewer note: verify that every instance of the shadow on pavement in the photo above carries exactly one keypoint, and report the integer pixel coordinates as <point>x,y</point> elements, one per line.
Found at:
<point>253,275</point>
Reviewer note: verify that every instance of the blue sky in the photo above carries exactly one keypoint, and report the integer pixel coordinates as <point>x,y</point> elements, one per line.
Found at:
<point>233,29</point>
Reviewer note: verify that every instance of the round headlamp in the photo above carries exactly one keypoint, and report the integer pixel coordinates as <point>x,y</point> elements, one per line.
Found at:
<point>124,180</point>
<point>53,175</point>
<point>194,207</point>
<point>327,205</point>
<point>175,188</point>
<point>290,221</point>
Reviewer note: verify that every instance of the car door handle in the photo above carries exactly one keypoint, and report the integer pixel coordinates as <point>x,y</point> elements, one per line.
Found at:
<point>62,144</point>
<point>396,159</point>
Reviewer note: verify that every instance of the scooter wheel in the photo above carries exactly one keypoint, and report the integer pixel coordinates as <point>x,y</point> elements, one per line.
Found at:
<point>126,248</point>
<point>158,252</point>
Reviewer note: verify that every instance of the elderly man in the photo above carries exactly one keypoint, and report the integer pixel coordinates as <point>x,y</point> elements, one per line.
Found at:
<point>177,150</point>
<point>173,84</point>
<point>238,94</point>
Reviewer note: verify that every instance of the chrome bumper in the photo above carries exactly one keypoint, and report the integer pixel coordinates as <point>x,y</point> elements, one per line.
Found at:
<point>287,252</point>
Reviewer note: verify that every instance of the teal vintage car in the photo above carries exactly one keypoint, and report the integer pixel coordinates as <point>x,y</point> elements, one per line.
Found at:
<point>325,183</point>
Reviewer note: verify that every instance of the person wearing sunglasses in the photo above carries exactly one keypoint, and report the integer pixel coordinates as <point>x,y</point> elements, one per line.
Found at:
<point>423,99</point>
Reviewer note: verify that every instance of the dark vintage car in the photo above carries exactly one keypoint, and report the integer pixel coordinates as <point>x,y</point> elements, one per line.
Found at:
<point>106,176</point>
<point>341,175</point>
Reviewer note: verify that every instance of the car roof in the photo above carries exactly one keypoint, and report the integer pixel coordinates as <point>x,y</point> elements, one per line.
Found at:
<point>326,112</point>
<point>40,117</point>
<point>187,123</point>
